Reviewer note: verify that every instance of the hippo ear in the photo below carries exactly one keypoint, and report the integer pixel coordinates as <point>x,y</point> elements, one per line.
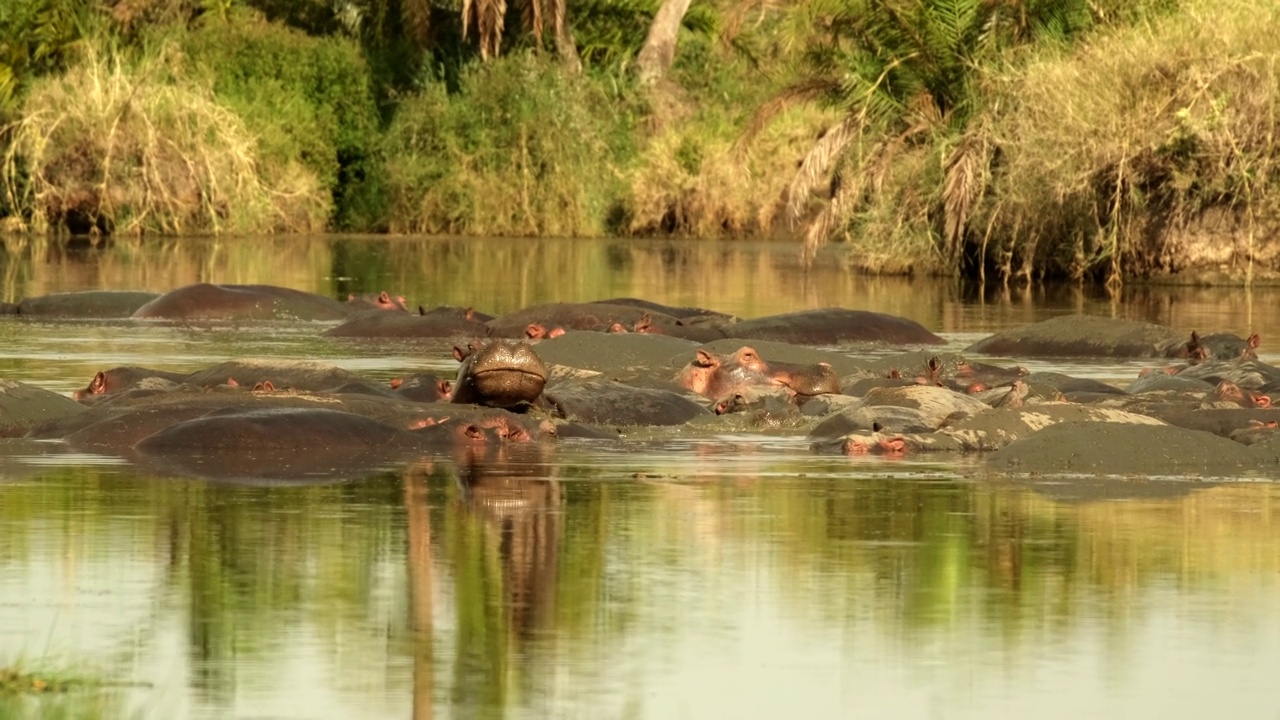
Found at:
<point>876,427</point>
<point>384,298</point>
<point>98,384</point>
<point>1195,338</point>
<point>1254,341</point>
<point>351,296</point>
<point>231,382</point>
<point>396,383</point>
<point>444,388</point>
<point>458,353</point>
<point>934,364</point>
<point>422,310</point>
<point>704,359</point>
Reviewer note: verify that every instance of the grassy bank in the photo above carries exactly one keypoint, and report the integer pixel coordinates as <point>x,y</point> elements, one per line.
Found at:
<point>1109,140</point>
<point>1151,150</point>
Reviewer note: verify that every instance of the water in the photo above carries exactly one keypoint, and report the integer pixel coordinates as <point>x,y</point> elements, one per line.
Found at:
<point>685,576</point>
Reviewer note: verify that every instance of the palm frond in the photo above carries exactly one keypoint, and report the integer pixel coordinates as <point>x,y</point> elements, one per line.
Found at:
<point>807,91</point>
<point>486,18</point>
<point>817,164</point>
<point>966,180</point>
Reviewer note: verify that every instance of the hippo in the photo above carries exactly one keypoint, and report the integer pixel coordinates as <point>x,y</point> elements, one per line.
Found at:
<point>375,301</point>
<point>719,376</point>
<point>87,304</point>
<point>599,401</point>
<point>932,406</point>
<point>422,387</point>
<point>498,373</point>
<point>571,316</point>
<point>115,380</point>
<point>306,375</point>
<point>834,326</point>
<point>981,432</point>
<point>686,315</point>
<point>204,301</point>
<point>1094,336</point>
<point>281,374</point>
<point>298,443</point>
<point>441,322</point>
<point>24,406</point>
<point>1220,346</point>
<point>1081,448</point>
<point>1246,373</point>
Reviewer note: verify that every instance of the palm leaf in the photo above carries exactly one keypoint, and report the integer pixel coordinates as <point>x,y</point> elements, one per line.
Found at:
<point>821,158</point>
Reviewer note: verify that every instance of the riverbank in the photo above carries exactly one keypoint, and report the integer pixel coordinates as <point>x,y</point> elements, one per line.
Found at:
<point>1140,147</point>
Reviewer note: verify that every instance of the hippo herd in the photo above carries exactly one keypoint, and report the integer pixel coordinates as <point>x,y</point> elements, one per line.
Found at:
<point>603,371</point>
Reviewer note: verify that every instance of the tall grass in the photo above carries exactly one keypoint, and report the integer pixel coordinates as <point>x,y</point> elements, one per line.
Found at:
<point>520,149</point>
<point>1147,150</point>
<point>133,148</point>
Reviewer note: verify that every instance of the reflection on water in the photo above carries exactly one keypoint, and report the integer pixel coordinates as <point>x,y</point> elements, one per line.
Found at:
<point>697,578</point>
<point>525,588</point>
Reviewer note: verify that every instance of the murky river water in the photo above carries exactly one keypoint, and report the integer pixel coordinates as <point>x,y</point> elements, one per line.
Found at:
<point>734,576</point>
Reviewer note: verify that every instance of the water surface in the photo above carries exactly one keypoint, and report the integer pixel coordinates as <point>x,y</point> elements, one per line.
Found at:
<point>730,576</point>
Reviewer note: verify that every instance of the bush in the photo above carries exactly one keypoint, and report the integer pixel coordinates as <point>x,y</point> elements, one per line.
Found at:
<point>1150,150</point>
<point>139,149</point>
<point>521,149</point>
<point>307,99</point>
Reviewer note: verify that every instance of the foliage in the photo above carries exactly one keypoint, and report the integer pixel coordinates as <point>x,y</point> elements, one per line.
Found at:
<point>1125,156</point>
<point>904,76</point>
<point>119,148</point>
<point>307,100</point>
<point>36,38</point>
<point>521,149</point>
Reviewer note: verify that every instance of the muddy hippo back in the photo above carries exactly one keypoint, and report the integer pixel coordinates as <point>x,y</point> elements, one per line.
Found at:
<point>1083,336</point>
<point>203,301</point>
<point>89,304</point>
<point>834,326</point>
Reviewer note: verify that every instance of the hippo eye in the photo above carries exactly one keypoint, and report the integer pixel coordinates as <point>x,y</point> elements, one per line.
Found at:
<point>473,432</point>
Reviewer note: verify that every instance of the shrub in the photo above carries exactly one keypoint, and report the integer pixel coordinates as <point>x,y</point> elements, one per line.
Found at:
<point>520,149</point>
<point>139,149</point>
<point>307,99</point>
<point>1117,158</point>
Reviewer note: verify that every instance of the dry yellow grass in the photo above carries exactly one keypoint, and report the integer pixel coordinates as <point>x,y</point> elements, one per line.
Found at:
<point>1149,149</point>
<point>131,150</point>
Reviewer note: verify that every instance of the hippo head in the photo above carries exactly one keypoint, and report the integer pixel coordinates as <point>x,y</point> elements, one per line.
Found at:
<point>498,373</point>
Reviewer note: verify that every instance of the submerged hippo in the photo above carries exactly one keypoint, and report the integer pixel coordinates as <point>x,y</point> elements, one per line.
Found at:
<point>88,304</point>
<point>722,376</point>
<point>1097,448</point>
<point>300,443</point>
<point>1094,336</point>
<point>204,301</point>
<point>441,322</point>
<point>605,402</point>
<point>834,326</point>
<point>24,406</point>
<point>497,373</point>
<point>571,316</point>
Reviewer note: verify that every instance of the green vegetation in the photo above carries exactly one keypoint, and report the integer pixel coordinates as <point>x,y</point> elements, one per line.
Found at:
<point>1076,138</point>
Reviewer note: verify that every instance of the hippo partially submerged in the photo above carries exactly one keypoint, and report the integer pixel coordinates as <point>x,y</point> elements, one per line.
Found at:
<point>497,373</point>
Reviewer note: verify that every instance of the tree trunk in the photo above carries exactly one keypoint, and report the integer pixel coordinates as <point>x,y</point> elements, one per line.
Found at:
<point>566,46</point>
<point>659,49</point>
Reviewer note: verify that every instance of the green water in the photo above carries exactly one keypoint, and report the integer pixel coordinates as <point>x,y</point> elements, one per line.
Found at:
<point>696,577</point>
